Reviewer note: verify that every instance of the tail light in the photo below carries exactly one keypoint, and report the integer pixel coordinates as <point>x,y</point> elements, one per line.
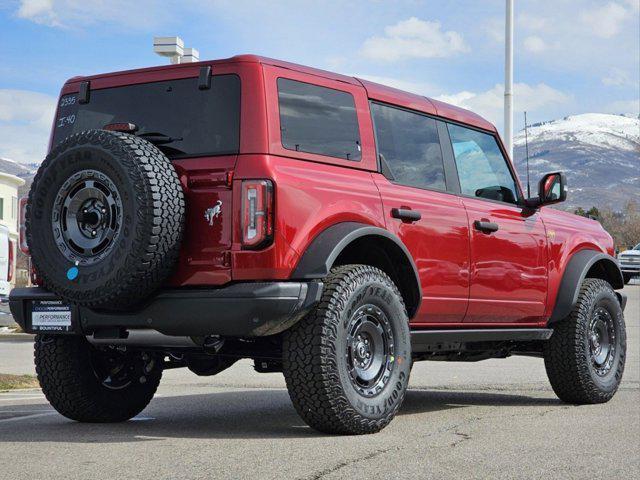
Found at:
<point>11,261</point>
<point>24,248</point>
<point>257,213</point>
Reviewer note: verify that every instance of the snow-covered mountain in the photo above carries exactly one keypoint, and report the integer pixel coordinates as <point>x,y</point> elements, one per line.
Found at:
<point>18,169</point>
<point>600,154</point>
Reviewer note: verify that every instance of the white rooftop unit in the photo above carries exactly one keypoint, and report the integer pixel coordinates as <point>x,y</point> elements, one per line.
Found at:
<point>172,47</point>
<point>190,55</point>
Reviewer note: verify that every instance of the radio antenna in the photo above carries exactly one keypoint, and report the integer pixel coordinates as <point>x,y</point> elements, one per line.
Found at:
<point>526,148</point>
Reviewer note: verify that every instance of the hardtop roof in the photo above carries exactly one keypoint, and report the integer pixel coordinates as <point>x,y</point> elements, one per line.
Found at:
<point>375,91</point>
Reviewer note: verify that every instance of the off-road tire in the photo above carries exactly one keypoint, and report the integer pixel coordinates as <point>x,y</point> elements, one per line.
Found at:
<point>147,244</point>
<point>567,355</point>
<point>68,380</point>
<point>315,363</point>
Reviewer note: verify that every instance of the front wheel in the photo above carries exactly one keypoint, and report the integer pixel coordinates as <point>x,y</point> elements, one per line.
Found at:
<point>94,385</point>
<point>585,356</point>
<point>347,363</point>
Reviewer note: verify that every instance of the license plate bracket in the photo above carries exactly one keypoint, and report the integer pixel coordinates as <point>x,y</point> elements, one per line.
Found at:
<point>51,316</point>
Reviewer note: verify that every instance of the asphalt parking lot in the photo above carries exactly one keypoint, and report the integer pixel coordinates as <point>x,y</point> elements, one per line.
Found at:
<point>492,419</point>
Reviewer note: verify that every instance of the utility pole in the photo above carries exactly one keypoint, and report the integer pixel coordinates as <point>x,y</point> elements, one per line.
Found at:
<point>526,147</point>
<point>508,79</point>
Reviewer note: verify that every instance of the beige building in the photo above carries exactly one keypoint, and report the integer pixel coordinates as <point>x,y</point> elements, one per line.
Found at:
<point>9,185</point>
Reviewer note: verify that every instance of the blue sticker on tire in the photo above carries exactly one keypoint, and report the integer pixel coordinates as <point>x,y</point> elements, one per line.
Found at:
<point>72,273</point>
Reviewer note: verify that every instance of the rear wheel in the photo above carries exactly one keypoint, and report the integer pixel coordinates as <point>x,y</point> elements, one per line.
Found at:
<point>88,384</point>
<point>347,363</point>
<point>585,356</point>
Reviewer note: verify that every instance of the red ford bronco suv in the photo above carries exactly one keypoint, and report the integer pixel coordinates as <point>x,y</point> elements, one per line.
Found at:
<point>329,228</point>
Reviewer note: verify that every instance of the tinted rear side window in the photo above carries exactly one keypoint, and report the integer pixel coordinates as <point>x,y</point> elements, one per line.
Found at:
<point>203,122</point>
<point>409,147</point>
<point>318,120</point>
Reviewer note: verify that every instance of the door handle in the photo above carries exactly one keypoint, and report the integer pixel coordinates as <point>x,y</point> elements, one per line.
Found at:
<point>406,214</point>
<point>485,226</point>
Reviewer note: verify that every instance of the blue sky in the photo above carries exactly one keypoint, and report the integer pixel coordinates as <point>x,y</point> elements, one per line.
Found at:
<point>570,56</point>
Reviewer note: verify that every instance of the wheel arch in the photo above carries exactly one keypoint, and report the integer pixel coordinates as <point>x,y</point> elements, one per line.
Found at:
<point>585,264</point>
<point>353,242</point>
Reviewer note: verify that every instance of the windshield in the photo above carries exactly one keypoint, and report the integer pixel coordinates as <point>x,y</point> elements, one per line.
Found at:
<point>637,247</point>
<point>199,122</point>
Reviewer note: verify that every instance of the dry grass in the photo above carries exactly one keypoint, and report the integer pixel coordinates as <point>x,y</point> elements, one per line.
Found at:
<point>11,382</point>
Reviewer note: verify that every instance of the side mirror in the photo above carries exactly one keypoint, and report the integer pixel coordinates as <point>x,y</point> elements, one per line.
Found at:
<point>552,188</point>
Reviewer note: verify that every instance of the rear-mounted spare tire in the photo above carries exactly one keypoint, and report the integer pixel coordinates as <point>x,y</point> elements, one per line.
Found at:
<point>105,219</point>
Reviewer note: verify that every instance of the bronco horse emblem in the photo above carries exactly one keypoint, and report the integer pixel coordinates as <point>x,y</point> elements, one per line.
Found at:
<point>213,212</point>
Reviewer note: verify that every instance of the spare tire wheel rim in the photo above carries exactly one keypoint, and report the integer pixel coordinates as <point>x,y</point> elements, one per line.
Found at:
<point>87,217</point>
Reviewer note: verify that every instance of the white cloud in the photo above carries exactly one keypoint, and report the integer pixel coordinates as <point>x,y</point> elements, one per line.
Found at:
<point>78,14</point>
<point>628,107</point>
<point>414,38</point>
<point>532,21</point>
<point>494,28</point>
<point>489,104</point>
<point>534,44</point>
<point>25,123</point>
<point>38,11</point>
<point>633,4</point>
<point>617,77</point>
<point>605,21</point>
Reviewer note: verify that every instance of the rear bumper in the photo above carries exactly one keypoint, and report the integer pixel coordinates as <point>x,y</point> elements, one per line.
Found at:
<point>239,310</point>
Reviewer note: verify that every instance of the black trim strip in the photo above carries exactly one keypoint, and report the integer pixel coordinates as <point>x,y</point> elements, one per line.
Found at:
<point>449,160</point>
<point>424,340</point>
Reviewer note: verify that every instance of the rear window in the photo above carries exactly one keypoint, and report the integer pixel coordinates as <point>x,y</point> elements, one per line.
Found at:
<point>202,122</point>
<point>318,120</point>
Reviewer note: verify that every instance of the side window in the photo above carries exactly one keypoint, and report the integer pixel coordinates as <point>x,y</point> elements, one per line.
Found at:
<point>482,168</point>
<point>409,147</point>
<point>318,120</point>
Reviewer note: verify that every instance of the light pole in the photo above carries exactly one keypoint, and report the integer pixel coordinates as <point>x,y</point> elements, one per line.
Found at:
<point>508,79</point>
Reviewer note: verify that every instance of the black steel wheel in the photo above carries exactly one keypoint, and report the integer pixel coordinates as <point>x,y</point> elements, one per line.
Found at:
<point>602,341</point>
<point>347,363</point>
<point>104,220</point>
<point>87,216</point>
<point>370,349</point>
<point>585,356</point>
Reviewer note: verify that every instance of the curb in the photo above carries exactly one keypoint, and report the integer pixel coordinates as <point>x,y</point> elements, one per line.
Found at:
<point>16,337</point>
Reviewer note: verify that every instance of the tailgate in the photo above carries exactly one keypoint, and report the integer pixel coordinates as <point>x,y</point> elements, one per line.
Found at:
<point>205,253</point>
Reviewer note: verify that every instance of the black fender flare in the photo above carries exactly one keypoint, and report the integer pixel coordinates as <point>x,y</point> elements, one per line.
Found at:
<point>324,249</point>
<point>576,271</point>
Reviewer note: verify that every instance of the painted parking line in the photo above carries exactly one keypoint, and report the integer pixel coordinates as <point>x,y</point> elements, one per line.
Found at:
<point>16,397</point>
<point>26,417</point>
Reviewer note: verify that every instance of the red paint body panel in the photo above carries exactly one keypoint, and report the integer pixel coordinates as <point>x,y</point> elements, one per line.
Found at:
<point>468,278</point>
<point>568,234</point>
<point>204,256</point>
<point>310,197</point>
<point>457,114</point>
<point>384,94</point>
<point>508,267</point>
<point>439,244</point>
